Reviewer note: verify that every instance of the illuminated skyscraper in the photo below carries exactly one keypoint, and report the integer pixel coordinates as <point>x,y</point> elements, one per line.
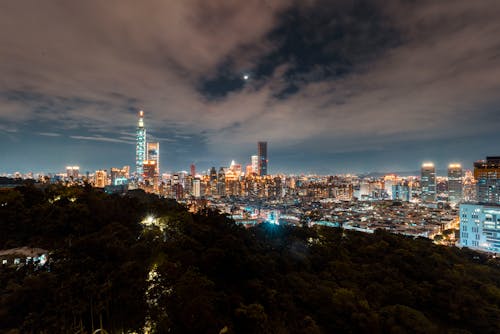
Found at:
<point>196,188</point>
<point>455,174</point>
<point>100,178</point>
<point>72,172</point>
<point>221,182</point>
<point>154,154</point>
<point>428,182</point>
<point>255,164</point>
<point>193,170</point>
<point>150,173</point>
<point>140,146</point>
<point>487,175</point>
<point>262,153</point>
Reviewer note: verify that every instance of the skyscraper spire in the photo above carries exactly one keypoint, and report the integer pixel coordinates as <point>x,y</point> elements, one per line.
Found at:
<point>140,147</point>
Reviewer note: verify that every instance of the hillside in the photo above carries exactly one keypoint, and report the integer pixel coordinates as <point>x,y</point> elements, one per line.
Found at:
<point>200,273</point>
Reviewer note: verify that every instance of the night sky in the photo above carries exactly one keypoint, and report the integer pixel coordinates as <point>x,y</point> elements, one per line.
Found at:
<point>333,86</point>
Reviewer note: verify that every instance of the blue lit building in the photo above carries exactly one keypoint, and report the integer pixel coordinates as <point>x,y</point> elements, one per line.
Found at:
<point>140,147</point>
<point>480,227</point>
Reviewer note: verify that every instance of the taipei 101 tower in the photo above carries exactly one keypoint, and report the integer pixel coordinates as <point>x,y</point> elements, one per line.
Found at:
<point>140,146</point>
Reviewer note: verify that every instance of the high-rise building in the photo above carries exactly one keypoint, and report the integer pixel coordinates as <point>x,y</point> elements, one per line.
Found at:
<point>120,176</point>
<point>221,182</point>
<point>197,188</point>
<point>487,175</point>
<point>455,174</point>
<point>192,170</point>
<point>73,172</point>
<point>480,227</point>
<point>100,178</point>
<point>480,223</point>
<point>140,146</point>
<point>255,164</point>
<point>150,174</point>
<point>213,181</point>
<point>428,182</point>
<point>262,153</point>
<point>153,154</point>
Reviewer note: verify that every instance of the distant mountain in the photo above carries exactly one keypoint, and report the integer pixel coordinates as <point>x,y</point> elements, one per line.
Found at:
<point>439,172</point>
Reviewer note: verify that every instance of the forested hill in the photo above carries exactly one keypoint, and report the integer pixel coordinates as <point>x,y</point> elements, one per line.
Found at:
<point>200,273</point>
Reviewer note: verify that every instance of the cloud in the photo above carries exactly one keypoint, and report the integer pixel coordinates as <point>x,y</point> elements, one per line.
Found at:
<point>49,134</point>
<point>103,139</point>
<point>337,75</point>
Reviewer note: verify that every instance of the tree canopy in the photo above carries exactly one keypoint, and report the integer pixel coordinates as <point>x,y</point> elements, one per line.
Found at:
<point>202,273</point>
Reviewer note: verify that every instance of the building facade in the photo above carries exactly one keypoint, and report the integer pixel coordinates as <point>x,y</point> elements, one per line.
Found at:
<point>262,153</point>
<point>487,176</point>
<point>480,227</point>
<point>140,146</point>
<point>428,182</point>
<point>455,185</point>
<point>153,154</point>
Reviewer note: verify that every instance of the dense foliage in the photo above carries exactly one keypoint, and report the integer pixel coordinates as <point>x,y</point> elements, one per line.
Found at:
<point>211,275</point>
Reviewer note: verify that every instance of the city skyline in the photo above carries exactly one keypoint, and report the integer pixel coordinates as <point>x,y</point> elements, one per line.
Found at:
<point>333,87</point>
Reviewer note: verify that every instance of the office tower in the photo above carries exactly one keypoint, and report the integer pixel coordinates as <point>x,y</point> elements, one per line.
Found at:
<point>469,187</point>
<point>487,175</point>
<point>428,182</point>
<point>73,172</point>
<point>255,164</point>
<point>140,146</point>
<point>100,178</point>
<point>153,154</point>
<point>193,170</point>
<point>455,174</point>
<point>480,227</point>
<point>221,182</point>
<point>150,173</point>
<point>213,181</point>
<point>197,188</point>
<point>262,153</point>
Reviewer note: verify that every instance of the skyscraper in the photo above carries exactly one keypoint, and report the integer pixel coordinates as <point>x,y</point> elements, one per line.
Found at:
<point>72,172</point>
<point>197,188</point>
<point>100,178</point>
<point>154,154</point>
<point>221,182</point>
<point>428,182</point>
<point>255,164</point>
<point>262,153</point>
<point>193,170</point>
<point>140,146</point>
<point>150,173</point>
<point>487,175</point>
<point>455,174</point>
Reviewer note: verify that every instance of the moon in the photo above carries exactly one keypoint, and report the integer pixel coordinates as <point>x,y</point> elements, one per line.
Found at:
<point>246,77</point>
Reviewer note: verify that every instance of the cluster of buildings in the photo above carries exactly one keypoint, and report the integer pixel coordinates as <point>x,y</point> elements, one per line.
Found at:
<point>480,220</point>
<point>422,205</point>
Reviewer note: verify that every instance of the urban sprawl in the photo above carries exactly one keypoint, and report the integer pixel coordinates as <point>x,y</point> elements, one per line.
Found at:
<point>461,208</point>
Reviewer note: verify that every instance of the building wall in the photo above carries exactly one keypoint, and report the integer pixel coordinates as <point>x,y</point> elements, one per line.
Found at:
<point>480,227</point>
